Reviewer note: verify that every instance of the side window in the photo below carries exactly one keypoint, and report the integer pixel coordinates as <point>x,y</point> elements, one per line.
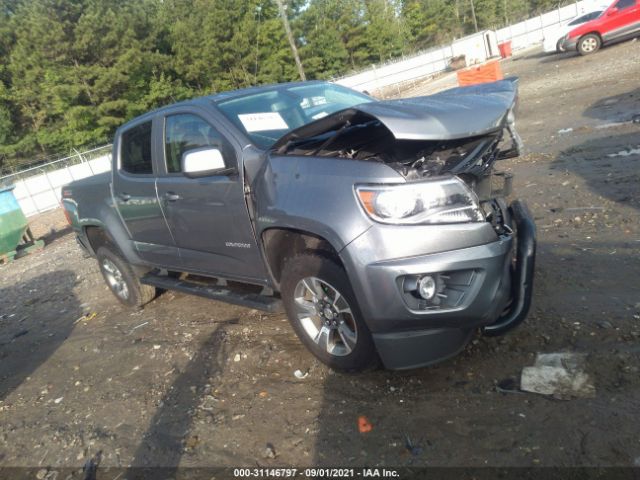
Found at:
<point>585,18</point>
<point>622,4</point>
<point>184,132</point>
<point>135,150</point>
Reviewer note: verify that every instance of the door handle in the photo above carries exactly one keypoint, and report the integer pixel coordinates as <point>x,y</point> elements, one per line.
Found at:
<point>125,197</point>
<point>172,197</point>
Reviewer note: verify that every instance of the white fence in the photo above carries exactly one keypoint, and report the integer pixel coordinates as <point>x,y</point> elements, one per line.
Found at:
<point>531,32</point>
<point>399,71</point>
<point>522,35</point>
<point>38,188</point>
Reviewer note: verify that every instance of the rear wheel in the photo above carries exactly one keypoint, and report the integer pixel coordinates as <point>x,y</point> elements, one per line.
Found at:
<point>589,44</point>
<point>122,280</point>
<point>324,313</point>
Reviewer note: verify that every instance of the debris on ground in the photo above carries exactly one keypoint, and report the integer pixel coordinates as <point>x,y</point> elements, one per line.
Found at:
<point>414,449</point>
<point>90,467</point>
<point>191,442</point>
<point>86,318</point>
<point>558,374</point>
<point>137,327</point>
<point>508,385</point>
<point>21,333</point>
<point>300,375</point>
<point>364,425</point>
<point>269,451</point>
<point>625,153</point>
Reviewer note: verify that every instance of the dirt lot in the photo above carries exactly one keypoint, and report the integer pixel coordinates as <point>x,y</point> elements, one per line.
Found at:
<point>192,382</point>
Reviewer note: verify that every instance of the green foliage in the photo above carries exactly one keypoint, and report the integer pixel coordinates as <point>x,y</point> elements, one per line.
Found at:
<point>72,71</point>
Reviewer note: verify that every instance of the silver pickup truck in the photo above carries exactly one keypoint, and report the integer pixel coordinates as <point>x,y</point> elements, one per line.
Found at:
<point>381,227</point>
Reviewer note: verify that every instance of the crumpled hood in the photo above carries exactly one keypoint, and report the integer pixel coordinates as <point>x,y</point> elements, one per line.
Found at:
<point>456,113</point>
<point>452,114</point>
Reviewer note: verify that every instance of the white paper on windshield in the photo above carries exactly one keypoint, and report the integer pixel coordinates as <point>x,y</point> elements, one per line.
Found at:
<point>260,122</point>
<point>320,115</point>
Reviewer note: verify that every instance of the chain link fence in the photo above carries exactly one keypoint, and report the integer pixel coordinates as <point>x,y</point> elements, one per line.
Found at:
<point>37,188</point>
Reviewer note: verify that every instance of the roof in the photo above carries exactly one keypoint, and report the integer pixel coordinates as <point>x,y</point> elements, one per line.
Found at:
<point>220,97</point>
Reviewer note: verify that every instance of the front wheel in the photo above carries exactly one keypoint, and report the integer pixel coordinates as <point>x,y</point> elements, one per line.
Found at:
<point>122,280</point>
<point>324,313</point>
<point>589,44</point>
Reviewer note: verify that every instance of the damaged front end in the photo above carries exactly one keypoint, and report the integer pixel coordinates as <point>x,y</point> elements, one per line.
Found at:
<point>445,147</point>
<point>461,132</point>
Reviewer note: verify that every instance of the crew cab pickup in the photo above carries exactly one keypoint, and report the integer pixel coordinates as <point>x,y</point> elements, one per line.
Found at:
<point>380,227</point>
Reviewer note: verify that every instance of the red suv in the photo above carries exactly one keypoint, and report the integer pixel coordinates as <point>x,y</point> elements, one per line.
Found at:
<point>620,21</point>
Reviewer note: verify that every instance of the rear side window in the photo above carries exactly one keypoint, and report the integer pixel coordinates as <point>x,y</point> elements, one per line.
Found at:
<point>622,4</point>
<point>135,150</point>
<point>184,132</point>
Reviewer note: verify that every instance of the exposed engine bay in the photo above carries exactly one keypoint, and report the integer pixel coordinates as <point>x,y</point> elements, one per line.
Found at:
<point>459,131</point>
<point>362,137</point>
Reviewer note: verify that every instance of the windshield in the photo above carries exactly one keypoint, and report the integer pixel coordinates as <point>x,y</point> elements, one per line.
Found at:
<point>586,18</point>
<point>266,116</point>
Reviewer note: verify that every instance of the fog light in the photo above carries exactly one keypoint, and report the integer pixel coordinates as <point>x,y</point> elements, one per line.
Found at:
<point>427,287</point>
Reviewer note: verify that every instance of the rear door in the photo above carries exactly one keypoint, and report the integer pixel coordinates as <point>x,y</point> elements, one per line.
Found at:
<point>621,20</point>
<point>208,216</point>
<point>134,193</point>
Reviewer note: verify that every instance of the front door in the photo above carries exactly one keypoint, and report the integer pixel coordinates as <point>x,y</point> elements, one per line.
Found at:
<point>134,193</point>
<point>621,20</point>
<point>207,216</point>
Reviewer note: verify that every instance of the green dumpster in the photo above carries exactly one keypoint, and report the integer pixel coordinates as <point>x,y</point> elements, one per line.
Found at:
<point>15,236</point>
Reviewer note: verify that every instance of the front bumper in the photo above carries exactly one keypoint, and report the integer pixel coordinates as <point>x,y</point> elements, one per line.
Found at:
<point>486,282</point>
<point>568,44</point>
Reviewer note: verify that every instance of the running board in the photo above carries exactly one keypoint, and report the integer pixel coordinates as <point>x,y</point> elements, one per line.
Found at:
<point>215,292</point>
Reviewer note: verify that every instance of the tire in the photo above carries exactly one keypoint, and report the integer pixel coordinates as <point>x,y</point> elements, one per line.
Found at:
<point>329,325</point>
<point>122,280</point>
<point>559,46</point>
<point>589,44</point>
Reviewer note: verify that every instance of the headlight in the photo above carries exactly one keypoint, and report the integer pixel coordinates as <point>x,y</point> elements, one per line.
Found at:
<point>443,200</point>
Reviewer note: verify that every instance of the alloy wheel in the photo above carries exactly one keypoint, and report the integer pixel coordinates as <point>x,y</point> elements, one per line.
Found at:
<point>115,279</point>
<point>325,315</point>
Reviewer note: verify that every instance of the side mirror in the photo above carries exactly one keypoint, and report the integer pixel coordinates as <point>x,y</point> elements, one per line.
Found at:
<point>612,11</point>
<point>203,162</point>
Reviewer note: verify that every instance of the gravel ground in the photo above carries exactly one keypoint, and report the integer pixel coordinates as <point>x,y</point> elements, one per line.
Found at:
<point>191,382</point>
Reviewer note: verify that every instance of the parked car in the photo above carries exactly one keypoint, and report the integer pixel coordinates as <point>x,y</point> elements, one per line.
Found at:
<point>553,37</point>
<point>621,21</point>
<point>381,227</point>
